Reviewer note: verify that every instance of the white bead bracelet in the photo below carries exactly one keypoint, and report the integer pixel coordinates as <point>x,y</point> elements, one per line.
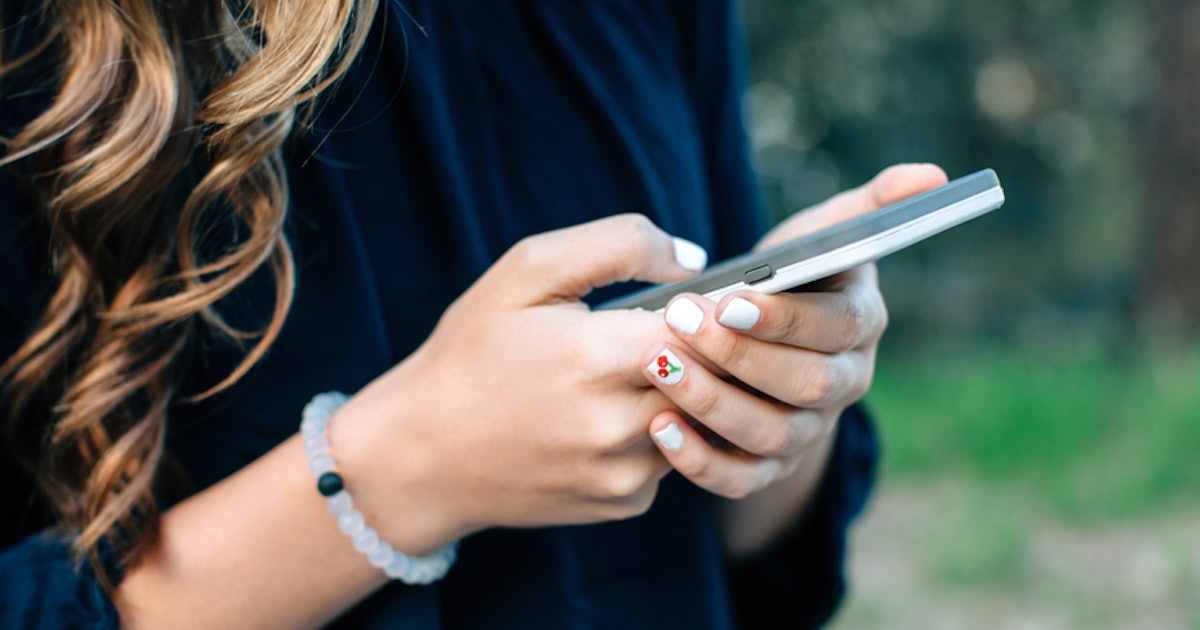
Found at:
<point>397,565</point>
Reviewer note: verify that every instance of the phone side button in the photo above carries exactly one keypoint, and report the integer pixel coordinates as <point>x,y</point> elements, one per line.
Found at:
<point>758,274</point>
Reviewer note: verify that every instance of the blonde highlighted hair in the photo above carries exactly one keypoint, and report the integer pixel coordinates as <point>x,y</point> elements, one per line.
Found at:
<point>166,123</point>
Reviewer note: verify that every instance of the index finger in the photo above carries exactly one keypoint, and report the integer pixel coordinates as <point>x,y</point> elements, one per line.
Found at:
<point>566,264</point>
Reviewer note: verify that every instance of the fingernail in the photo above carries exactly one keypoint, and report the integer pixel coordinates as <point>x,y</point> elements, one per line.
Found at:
<point>666,367</point>
<point>689,255</point>
<point>740,313</point>
<point>683,315</point>
<point>670,437</point>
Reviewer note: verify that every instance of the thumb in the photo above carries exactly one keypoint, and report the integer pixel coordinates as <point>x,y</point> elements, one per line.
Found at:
<point>566,264</point>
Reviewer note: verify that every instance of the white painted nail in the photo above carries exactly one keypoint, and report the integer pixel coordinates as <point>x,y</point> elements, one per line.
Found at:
<point>740,313</point>
<point>685,316</point>
<point>670,437</point>
<point>666,367</point>
<point>689,255</point>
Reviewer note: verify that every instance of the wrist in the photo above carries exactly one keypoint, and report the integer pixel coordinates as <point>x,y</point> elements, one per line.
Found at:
<point>391,474</point>
<point>411,569</point>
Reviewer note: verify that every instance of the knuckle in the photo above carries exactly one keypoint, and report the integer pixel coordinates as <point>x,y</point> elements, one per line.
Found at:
<point>816,429</point>
<point>728,349</point>
<point>638,231</point>
<point>622,510</point>
<point>528,252</point>
<point>635,502</point>
<point>809,429</point>
<point>871,317</point>
<point>640,504</point>
<point>633,241</point>
<point>698,469</point>
<point>636,222</point>
<point>738,490</point>
<point>640,508</point>
<point>860,387</point>
<point>707,401</point>
<point>882,317</point>
<point>885,318</point>
<point>855,317</point>
<point>815,385</point>
<point>622,484</point>
<point>773,441</point>
<point>794,321</point>
<point>827,428</point>
<point>608,434</point>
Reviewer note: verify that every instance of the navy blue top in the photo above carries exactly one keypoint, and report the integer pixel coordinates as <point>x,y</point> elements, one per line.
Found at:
<point>464,126</point>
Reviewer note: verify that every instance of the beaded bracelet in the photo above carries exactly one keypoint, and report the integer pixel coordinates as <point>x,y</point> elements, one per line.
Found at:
<point>397,565</point>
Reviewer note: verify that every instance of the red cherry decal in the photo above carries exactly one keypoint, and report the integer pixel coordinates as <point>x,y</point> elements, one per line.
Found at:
<point>664,373</point>
<point>662,361</point>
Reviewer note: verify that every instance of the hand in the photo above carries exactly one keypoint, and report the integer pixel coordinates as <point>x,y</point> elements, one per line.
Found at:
<point>770,374</point>
<point>523,408</point>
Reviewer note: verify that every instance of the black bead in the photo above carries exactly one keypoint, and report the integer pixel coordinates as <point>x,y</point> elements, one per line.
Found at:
<point>329,484</point>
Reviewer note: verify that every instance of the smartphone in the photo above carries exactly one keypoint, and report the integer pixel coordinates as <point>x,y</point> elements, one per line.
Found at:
<point>835,249</point>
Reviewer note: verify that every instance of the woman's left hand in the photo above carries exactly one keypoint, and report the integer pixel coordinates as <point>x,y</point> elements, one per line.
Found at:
<point>761,379</point>
<point>767,374</point>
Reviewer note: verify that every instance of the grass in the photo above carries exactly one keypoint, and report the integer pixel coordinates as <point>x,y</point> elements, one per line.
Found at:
<point>1097,437</point>
<point>950,554</point>
<point>1034,490</point>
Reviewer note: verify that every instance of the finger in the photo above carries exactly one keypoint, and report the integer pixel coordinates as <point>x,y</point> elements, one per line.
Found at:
<point>889,186</point>
<point>794,375</point>
<point>849,313</point>
<point>757,425</point>
<point>731,474</point>
<point>615,343</point>
<point>566,264</point>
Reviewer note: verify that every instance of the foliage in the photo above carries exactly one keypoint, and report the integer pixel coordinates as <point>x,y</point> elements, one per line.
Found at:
<point>1032,490</point>
<point>1047,92</point>
<point>1038,431</point>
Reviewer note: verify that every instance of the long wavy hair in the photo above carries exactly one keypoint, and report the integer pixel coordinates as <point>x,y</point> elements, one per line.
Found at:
<point>165,128</point>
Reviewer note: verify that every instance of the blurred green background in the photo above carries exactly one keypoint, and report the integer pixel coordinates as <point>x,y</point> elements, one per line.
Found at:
<point>1038,390</point>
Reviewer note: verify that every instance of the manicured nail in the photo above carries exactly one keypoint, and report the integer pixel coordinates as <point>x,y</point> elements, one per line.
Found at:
<point>740,313</point>
<point>670,437</point>
<point>683,315</point>
<point>666,367</point>
<point>689,255</point>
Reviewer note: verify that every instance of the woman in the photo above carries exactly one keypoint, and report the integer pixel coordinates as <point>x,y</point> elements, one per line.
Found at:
<point>181,174</point>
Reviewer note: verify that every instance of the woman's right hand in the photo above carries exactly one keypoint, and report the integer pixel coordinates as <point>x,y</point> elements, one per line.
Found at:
<point>524,407</point>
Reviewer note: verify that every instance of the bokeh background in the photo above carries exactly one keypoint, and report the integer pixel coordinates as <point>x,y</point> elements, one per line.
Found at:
<point>1038,390</point>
